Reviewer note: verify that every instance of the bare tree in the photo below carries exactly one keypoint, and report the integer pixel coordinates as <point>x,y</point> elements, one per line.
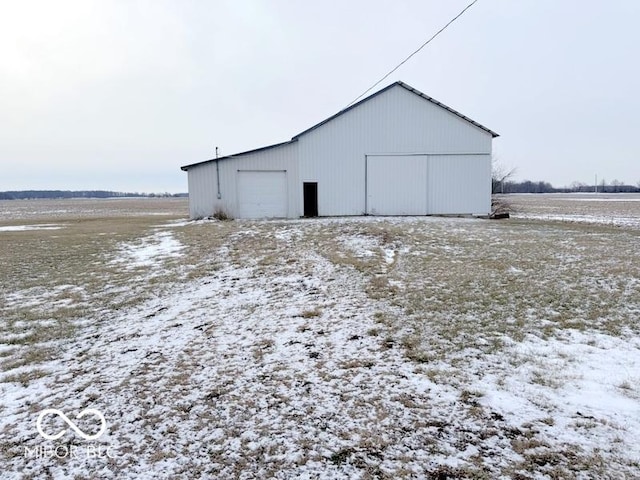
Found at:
<point>603,186</point>
<point>578,186</point>
<point>616,184</point>
<point>499,175</point>
<point>500,208</point>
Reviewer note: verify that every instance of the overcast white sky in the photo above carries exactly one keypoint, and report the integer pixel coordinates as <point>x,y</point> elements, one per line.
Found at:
<point>119,94</point>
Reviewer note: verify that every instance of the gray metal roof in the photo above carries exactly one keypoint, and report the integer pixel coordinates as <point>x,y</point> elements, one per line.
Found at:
<point>187,167</point>
<point>341,112</point>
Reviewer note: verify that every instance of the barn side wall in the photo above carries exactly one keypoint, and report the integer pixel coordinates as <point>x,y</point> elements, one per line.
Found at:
<point>393,122</point>
<point>203,190</point>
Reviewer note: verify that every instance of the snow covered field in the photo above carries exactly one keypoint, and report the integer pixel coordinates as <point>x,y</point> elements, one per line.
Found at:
<point>613,209</point>
<point>327,348</point>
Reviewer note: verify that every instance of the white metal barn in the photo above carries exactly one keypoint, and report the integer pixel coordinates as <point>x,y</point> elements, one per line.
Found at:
<point>397,152</point>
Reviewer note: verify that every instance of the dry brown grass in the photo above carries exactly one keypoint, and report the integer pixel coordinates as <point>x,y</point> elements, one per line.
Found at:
<point>52,279</point>
<point>455,291</point>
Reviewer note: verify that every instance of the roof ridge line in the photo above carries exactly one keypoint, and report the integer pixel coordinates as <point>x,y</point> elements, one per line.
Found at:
<point>408,88</point>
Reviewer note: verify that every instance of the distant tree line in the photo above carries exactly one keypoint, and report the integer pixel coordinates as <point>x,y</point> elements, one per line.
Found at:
<point>58,194</point>
<point>527,186</point>
<point>502,182</point>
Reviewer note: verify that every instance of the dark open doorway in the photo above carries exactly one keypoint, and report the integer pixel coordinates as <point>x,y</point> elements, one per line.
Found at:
<point>310,194</point>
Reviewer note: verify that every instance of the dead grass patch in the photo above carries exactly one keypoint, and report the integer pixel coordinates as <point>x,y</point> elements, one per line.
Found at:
<point>311,313</point>
<point>25,377</point>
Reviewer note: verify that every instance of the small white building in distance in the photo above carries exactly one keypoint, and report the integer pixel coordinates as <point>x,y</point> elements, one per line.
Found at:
<point>396,152</point>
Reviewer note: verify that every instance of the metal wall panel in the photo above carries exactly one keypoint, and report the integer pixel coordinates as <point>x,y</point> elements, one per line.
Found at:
<point>459,184</point>
<point>394,122</point>
<point>203,194</point>
<point>397,185</point>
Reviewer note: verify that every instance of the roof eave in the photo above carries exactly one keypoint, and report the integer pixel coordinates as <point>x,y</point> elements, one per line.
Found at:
<point>449,109</point>
<point>185,168</point>
<point>345,110</point>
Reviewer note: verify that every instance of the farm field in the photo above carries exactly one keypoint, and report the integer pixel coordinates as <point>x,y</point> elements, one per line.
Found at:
<point>613,209</point>
<point>360,347</point>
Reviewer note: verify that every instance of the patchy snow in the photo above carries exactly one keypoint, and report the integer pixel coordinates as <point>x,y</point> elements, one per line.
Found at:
<point>596,219</point>
<point>41,297</point>
<point>389,255</point>
<point>603,199</point>
<point>180,223</point>
<point>617,210</point>
<point>276,362</point>
<point>23,228</point>
<point>282,381</point>
<point>586,382</point>
<point>48,209</point>
<point>361,246</point>
<point>149,251</point>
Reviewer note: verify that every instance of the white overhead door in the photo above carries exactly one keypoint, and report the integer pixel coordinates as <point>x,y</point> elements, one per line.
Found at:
<point>262,193</point>
<point>425,184</point>
<point>397,184</point>
<point>459,184</point>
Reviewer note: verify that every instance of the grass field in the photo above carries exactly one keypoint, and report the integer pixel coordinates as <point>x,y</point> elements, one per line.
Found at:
<point>360,347</point>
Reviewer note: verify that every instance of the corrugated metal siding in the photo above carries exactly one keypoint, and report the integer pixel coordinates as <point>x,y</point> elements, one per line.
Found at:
<point>203,199</point>
<point>394,122</point>
<point>459,184</point>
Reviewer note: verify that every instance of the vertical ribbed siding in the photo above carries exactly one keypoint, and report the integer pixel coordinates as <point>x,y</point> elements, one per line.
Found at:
<point>394,122</point>
<point>203,193</point>
<point>202,190</point>
<point>459,184</point>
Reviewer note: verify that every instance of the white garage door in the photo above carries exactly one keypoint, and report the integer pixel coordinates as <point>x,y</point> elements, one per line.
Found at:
<point>262,193</point>
<point>397,184</point>
<point>459,184</point>
<point>428,184</point>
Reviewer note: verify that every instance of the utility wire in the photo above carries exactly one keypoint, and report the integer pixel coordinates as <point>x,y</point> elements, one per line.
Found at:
<point>406,59</point>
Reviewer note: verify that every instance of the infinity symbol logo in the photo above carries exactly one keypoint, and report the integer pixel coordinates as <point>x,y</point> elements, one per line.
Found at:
<point>55,411</point>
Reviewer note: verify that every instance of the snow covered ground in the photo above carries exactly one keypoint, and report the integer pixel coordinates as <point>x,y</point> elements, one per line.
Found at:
<point>148,251</point>
<point>613,209</point>
<point>22,228</point>
<point>46,209</point>
<point>332,348</point>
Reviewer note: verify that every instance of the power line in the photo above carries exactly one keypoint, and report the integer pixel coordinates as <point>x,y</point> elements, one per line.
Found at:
<point>406,59</point>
